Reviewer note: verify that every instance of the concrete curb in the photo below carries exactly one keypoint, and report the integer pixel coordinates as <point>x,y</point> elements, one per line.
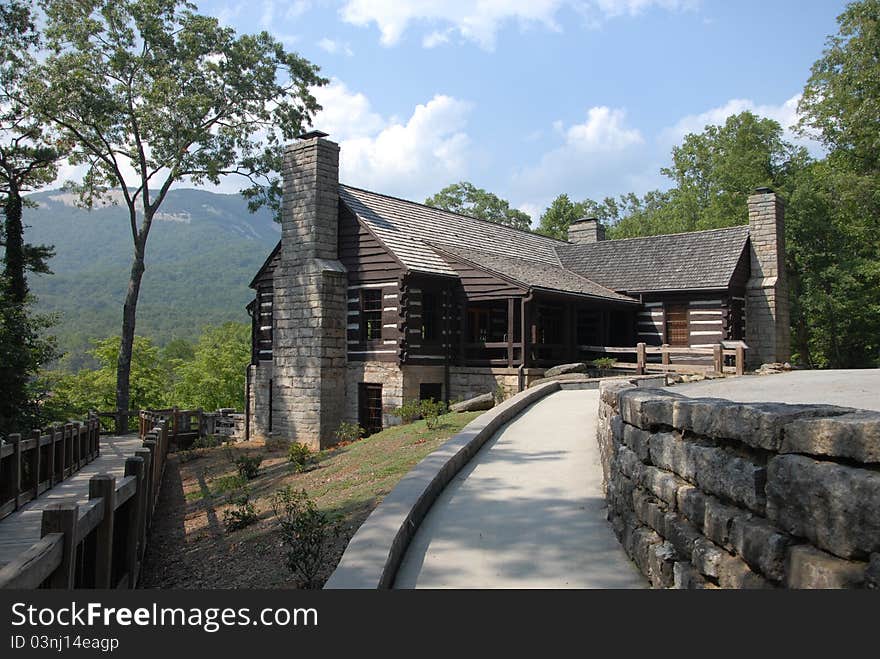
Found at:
<point>374,554</point>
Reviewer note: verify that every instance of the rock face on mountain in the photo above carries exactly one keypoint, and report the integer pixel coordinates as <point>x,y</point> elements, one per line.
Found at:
<point>201,254</point>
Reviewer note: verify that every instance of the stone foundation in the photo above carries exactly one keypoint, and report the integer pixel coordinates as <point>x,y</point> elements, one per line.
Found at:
<point>388,374</point>
<point>707,493</point>
<point>467,381</point>
<point>258,402</point>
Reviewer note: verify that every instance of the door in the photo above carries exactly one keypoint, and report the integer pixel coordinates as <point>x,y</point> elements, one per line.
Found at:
<point>370,407</point>
<point>677,332</point>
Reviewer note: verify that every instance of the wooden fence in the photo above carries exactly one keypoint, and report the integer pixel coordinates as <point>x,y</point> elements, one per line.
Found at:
<point>30,466</point>
<point>720,356</point>
<point>99,544</point>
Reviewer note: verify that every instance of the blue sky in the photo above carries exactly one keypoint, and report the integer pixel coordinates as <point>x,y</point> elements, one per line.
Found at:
<point>532,98</point>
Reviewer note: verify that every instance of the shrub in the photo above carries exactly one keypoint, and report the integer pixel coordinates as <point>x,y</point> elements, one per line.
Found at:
<point>248,467</point>
<point>604,362</point>
<point>208,441</point>
<point>299,455</point>
<point>500,394</point>
<point>431,411</point>
<point>409,411</point>
<point>242,513</point>
<point>307,534</point>
<point>349,432</point>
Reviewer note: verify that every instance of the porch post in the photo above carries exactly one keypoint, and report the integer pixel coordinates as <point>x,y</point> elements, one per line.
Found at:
<point>525,340</point>
<point>510,332</point>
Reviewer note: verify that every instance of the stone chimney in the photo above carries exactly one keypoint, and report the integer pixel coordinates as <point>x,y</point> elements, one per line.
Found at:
<point>309,349</point>
<point>768,329</point>
<point>586,230</point>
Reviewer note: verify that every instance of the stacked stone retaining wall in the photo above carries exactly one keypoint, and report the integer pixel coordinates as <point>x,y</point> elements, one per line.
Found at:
<point>708,493</point>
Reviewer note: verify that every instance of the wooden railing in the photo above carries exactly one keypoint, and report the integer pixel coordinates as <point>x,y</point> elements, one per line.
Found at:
<point>642,365</point>
<point>99,544</point>
<point>184,426</point>
<point>30,466</point>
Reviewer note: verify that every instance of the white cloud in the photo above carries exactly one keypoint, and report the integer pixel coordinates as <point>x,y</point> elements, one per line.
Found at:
<point>335,47</point>
<point>480,21</point>
<point>297,8</point>
<point>784,113</point>
<point>267,20</point>
<point>411,158</point>
<point>601,156</point>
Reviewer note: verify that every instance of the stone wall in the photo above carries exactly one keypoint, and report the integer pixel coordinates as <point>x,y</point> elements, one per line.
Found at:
<point>388,374</point>
<point>706,493</point>
<point>469,381</point>
<point>259,399</point>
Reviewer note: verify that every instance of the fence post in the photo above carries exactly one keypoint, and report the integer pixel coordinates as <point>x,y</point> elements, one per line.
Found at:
<point>35,462</point>
<point>718,358</point>
<point>664,356</point>
<point>15,440</point>
<point>144,519</point>
<point>149,468</point>
<point>103,486</point>
<point>640,359</point>
<point>62,517</point>
<point>134,466</point>
<point>740,360</point>
<point>51,465</point>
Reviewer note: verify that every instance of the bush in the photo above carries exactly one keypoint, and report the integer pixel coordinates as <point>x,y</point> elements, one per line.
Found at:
<point>409,411</point>
<point>431,411</point>
<point>349,432</point>
<point>208,441</point>
<point>604,362</point>
<point>248,467</point>
<point>242,514</point>
<point>500,394</point>
<point>307,534</point>
<point>299,455</point>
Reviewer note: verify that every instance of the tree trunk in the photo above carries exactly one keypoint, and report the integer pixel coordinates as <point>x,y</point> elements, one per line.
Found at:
<point>13,259</point>
<point>129,313</point>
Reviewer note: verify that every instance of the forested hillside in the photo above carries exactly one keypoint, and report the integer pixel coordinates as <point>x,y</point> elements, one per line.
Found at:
<point>204,250</point>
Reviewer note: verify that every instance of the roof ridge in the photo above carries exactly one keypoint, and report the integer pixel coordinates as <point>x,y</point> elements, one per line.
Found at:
<point>443,210</point>
<point>656,235</point>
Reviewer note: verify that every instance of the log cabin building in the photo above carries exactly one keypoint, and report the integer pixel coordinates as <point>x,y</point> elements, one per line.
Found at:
<point>369,300</point>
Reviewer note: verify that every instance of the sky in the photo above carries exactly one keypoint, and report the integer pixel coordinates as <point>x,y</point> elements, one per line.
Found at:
<point>533,98</point>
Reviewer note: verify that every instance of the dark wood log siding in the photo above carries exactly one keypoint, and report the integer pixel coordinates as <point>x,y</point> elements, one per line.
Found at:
<point>709,315</point>
<point>480,285</point>
<point>364,257</point>
<point>386,349</point>
<point>264,322</point>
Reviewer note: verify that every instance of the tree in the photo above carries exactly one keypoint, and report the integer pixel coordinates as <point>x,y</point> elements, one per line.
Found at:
<point>27,161</point>
<point>560,214</point>
<point>149,94</point>
<point>841,100</point>
<point>467,199</point>
<point>214,378</point>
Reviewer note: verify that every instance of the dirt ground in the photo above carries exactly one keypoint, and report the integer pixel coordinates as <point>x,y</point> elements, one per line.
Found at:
<point>189,547</point>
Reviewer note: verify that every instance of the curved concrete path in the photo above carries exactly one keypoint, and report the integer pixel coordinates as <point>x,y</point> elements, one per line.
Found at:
<point>526,512</point>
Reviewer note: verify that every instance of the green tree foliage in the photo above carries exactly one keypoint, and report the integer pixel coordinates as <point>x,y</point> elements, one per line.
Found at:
<point>467,199</point>
<point>841,100</point>
<point>214,378</point>
<point>27,161</point>
<point>560,214</point>
<point>149,93</point>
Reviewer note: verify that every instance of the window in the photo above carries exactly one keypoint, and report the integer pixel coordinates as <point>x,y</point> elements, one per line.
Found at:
<point>478,325</point>
<point>550,326</point>
<point>430,391</point>
<point>370,407</point>
<point>677,325</point>
<point>371,314</point>
<point>430,316</point>
<point>589,328</point>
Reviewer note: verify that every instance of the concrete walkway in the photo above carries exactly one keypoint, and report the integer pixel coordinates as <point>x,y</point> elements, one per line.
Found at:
<point>853,388</point>
<point>526,512</point>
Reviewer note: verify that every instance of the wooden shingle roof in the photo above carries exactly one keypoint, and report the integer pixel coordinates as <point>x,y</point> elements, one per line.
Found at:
<point>408,228</point>
<point>672,262</point>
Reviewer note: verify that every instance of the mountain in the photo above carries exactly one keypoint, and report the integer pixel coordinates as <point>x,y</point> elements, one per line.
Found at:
<point>204,248</point>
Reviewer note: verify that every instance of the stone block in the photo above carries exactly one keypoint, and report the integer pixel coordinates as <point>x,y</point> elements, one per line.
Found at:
<point>808,567</point>
<point>720,472</point>
<point>707,557</point>
<point>661,563</point>
<point>691,503</point>
<point>669,451</point>
<point>638,440</point>
<point>761,545</point>
<point>647,408</point>
<point>872,574</point>
<point>833,505</point>
<point>681,534</point>
<point>755,424</point>
<point>855,436</point>
<point>686,577</point>
<point>629,464</point>
<point>649,511</point>
<point>717,520</point>
<point>662,484</point>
